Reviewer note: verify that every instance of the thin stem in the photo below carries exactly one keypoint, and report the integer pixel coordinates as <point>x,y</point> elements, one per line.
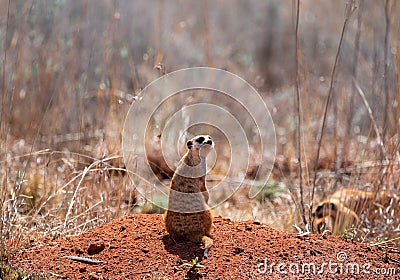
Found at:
<point>298,107</point>
<point>373,121</point>
<point>385,71</point>
<point>354,72</point>
<point>350,7</point>
<point>3,122</point>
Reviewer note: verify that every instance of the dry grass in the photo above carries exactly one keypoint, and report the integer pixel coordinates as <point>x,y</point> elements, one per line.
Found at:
<point>71,70</point>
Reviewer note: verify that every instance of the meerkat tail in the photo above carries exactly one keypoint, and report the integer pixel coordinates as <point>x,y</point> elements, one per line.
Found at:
<point>208,242</point>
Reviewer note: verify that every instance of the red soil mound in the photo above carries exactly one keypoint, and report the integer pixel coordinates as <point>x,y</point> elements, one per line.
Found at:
<point>138,247</point>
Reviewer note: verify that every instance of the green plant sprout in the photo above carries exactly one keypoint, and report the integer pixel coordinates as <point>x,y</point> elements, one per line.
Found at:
<point>350,233</point>
<point>195,264</point>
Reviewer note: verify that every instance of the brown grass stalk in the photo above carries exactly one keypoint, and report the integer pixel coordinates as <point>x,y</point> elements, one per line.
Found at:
<point>299,113</point>
<point>372,118</point>
<point>3,135</point>
<point>350,7</point>
<point>386,91</point>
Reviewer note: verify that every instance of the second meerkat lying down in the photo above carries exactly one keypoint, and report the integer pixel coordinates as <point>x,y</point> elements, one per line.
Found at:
<point>188,216</point>
<point>343,208</point>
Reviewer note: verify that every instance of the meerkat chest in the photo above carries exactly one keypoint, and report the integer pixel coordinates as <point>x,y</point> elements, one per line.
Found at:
<point>187,185</point>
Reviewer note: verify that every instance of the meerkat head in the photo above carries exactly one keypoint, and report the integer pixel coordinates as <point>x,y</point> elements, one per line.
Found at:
<point>333,215</point>
<point>324,215</point>
<point>200,145</point>
<point>325,208</point>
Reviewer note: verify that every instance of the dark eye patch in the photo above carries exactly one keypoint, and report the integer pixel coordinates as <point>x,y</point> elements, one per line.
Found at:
<point>319,211</point>
<point>200,139</point>
<point>189,144</point>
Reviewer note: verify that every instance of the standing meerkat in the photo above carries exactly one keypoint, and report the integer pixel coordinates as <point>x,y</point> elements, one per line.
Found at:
<point>188,216</point>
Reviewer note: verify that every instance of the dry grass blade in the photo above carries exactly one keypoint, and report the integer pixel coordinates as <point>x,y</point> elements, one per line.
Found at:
<point>3,132</point>
<point>387,94</point>
<point>299,114</point>
<point>3,115</point>
<point>82,176</point>
<point>385,242</point>
<point>371,116</point>
<point>350,7</point>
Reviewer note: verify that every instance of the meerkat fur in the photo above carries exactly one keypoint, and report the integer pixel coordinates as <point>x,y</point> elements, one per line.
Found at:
<point>188,216</point>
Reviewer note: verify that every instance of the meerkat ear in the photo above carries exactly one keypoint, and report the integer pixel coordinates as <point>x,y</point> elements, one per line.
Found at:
<point>189,144</point>
<point>332,207</point>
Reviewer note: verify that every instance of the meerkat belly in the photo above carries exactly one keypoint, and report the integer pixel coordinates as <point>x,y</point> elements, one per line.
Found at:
<point>189,226</point>
<point>187,197</point>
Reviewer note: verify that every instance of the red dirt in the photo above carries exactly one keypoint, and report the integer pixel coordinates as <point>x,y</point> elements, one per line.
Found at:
<point>138,247</point>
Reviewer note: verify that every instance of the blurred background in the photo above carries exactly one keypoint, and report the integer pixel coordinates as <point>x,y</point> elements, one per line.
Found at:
<point>71,69</point>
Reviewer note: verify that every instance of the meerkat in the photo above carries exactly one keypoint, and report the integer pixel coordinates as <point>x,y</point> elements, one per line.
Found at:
<point>188,216</point>
<point>343,208</point>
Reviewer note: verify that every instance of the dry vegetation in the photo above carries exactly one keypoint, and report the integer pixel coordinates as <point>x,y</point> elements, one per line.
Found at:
<point>71,69</point>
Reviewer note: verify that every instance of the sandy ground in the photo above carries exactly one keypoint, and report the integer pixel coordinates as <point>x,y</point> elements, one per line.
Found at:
<point>138,247</point>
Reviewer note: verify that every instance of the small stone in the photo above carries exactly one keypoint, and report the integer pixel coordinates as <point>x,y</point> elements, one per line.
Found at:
<point>238,250</point>
<point>93,276</point>
<point>145,250</point>
<point>95,248</point>
<point>78,251</point>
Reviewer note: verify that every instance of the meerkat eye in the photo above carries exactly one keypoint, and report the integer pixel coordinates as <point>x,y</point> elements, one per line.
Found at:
<point>189,144</point>
<point>200,139</point>
<point>319,211</point>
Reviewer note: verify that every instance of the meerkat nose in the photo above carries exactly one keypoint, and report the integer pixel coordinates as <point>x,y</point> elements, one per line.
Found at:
<point>200,139</point>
